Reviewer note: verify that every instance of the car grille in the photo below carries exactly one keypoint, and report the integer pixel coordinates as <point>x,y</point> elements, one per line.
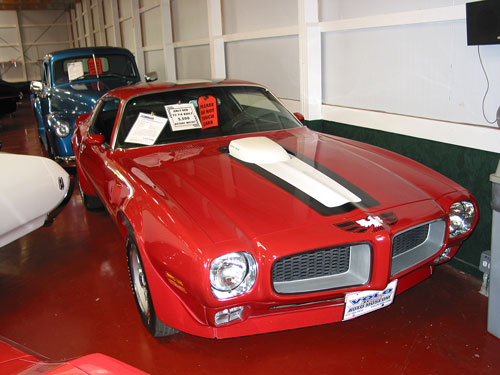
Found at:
<point>319,263</point>
<point>417,244</point>
<point>322,269</point>
<point>409,239</point>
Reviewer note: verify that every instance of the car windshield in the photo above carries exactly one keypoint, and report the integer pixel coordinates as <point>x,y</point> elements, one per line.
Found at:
<point>198,113</point>
<point>86,67</point>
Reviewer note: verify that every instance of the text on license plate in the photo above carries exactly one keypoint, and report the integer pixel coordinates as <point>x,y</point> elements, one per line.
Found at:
<point>360,303</point>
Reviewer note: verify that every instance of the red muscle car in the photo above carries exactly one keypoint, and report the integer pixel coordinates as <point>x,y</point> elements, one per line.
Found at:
<point>16,360</point>
<point>239,220</point>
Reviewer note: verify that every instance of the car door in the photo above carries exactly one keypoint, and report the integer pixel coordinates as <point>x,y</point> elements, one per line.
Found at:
<point>96,157</point>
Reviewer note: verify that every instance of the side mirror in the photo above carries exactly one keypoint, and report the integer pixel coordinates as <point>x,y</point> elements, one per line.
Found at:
<point>82,118</point>
<point>299,116</point>
<point>151,76</point>
<point>95,139</point>
<point>36,86</point>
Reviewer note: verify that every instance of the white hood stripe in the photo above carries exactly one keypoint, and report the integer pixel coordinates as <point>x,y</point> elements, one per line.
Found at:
<point>272,161</point>
<point>312,182</point>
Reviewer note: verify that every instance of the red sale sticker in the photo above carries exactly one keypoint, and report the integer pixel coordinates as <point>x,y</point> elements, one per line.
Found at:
<point>208,111</point>
<point>92,67</point>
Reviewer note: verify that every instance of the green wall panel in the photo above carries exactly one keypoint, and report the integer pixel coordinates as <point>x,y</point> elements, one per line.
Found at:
<point>470,168</point>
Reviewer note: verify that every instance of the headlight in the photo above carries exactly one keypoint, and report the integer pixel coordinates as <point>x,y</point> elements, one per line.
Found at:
<point>462,216</point>
<point>62,129</point>
<point>232,274</point>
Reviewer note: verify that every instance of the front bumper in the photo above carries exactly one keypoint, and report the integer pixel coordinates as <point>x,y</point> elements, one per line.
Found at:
<point>65,161</point>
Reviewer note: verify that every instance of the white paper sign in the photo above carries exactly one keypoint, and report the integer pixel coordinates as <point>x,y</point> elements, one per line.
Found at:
<point>146,129</point>
<point>182,117</point>
<point>75,70</point>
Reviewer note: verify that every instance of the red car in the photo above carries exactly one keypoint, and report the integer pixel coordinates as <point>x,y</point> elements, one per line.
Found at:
<point>239,220</point>
<point>15,360</point>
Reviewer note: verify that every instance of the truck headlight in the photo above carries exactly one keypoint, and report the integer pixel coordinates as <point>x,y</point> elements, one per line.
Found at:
<point>62,129</point>
<point>232,274</point>
<point>462,216</point>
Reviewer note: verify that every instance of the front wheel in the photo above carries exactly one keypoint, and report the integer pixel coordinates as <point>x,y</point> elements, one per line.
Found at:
<point>142,295</point>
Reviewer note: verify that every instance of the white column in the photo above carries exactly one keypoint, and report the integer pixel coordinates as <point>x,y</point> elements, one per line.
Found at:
<point>139,50</point>
<point>217,53</point>
<point>310,59</point>
<point>87,18</point>
<point>168,41</point>
<point>21,50</point>
<point>71,28</point>
<point>79,20</point>
<point>100,23</point>
<point>117,35</point>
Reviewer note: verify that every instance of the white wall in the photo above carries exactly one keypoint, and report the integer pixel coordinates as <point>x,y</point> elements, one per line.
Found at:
<point>26,36</point>
<point>396,65</point>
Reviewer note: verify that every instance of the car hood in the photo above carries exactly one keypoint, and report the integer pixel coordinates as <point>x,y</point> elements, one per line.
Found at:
<point>227,196</point>
<point>77,98</point>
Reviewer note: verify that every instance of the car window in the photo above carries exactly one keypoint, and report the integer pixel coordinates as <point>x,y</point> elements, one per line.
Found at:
<point>198,113</point>
<point>86,67</point>
<point>105,118</point>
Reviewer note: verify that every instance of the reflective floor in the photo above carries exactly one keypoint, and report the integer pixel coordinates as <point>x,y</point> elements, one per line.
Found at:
<point>64,292</point>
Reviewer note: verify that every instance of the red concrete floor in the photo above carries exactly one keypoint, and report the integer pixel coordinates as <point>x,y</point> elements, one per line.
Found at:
<point>64,292</point>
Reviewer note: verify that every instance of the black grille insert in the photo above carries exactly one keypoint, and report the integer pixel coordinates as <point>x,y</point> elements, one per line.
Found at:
<point>410,239</point>
<point>317,263</point>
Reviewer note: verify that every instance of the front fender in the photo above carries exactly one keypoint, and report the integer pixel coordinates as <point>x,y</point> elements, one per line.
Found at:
<point>60,146</point>
<point>37,111</point>
<point>173,300</point>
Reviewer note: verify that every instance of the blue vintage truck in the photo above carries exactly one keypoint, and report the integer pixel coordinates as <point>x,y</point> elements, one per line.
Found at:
<point>72,82</point>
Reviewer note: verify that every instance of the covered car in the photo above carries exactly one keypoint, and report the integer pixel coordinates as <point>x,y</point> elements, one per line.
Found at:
<point>72,81</point>
<point>239,220</point>
<point>33,190</point>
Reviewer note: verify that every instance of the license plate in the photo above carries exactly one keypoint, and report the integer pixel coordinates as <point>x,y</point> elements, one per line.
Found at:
<point>361,303</point>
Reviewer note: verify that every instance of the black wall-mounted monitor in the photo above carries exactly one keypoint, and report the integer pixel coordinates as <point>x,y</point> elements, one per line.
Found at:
<point>483,22</point>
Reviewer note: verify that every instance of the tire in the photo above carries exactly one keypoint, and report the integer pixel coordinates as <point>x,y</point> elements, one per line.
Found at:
<point>142,296</point>
<point>89,201</point>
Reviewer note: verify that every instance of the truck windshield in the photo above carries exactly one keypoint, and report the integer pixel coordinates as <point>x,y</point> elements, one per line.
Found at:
<point>85,67</point>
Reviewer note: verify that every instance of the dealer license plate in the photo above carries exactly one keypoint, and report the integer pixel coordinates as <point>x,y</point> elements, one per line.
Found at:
<point>361,303</point>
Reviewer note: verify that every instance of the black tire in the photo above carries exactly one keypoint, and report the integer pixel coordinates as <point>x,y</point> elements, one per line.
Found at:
<point>89,201</point>
<point>142,296</point>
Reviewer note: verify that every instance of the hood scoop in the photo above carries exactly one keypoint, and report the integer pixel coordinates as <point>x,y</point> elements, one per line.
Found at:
<point>258,150</point>
<point>273,158</point>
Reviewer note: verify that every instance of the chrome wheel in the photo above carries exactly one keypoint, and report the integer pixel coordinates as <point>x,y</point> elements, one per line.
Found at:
<point>142,295</point>
<point>139,282</point>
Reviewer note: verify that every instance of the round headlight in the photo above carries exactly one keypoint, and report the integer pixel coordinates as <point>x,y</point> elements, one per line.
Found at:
<point>232,274</point>
<point>462,216</point>
<point>62,129</point>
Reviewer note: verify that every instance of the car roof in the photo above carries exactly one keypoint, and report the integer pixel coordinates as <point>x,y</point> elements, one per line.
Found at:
<point>126,92</point>
<point>74,52</point>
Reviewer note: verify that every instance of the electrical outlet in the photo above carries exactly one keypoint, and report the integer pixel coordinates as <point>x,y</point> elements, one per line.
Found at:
<point>485,263</point>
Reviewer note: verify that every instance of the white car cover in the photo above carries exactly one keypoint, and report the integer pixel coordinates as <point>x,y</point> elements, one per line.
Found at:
<point>30,188</point>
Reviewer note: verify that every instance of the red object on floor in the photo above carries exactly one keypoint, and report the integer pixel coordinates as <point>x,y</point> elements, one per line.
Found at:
<point>65,292</point>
